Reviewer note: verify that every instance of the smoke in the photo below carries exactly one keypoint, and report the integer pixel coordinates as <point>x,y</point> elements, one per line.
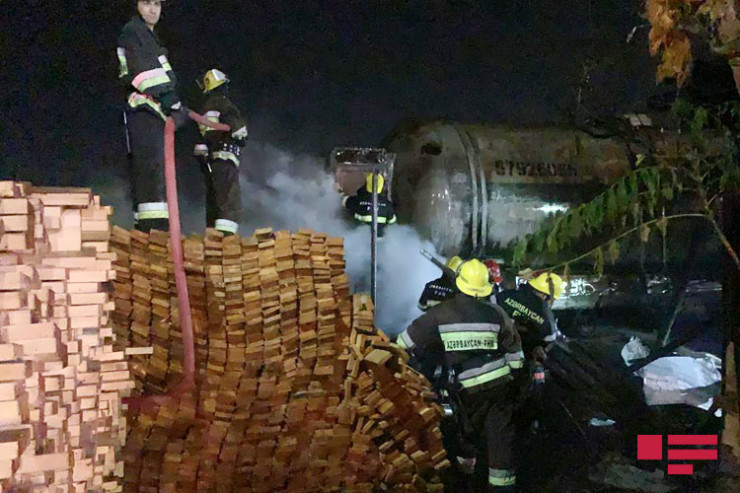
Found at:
<point>287,191</point>
<point>283,190</point>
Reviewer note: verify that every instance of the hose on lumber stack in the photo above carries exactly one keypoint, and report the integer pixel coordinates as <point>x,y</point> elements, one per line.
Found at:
<point>183,300</point>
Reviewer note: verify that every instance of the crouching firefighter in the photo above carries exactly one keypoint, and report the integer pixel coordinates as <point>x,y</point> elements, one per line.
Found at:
<point>150,82</point>
<point>221,153</point>
<point>479,348</point>
<point>360,205</point>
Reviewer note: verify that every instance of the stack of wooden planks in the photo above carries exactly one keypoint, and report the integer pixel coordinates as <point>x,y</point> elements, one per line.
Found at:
<point>61,381</point>
<point>296,390</point>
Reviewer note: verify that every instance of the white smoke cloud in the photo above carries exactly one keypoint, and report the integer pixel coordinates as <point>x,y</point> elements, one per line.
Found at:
<point>282,190</point>
<point>286,191</point>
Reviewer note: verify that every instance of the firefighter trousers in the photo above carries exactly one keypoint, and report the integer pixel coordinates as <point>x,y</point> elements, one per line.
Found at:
<point>146,131</point>
<point>223,196</point>
<point>487,424</point>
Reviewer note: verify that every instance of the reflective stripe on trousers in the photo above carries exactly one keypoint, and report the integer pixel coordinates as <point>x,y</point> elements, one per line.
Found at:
<point>152,210</point>
<point>227,226</point>
<point>501,477</point>
<point>226,156</point>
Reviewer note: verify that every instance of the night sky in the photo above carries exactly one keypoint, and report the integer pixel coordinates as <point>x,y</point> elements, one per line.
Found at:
<point>309,75</point>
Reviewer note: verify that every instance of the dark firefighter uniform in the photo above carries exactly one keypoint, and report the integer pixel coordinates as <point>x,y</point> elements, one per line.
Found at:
<point>223,193</point>
<point>443,288</point>
<point>146,73</point>
<point>480,348</point>
<point>360,205</point>
<point>437,291</point>
<point>534,318</point>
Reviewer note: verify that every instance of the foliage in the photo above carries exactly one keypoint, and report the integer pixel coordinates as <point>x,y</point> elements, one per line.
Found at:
<point>642,202</point>
<point>675,23</point>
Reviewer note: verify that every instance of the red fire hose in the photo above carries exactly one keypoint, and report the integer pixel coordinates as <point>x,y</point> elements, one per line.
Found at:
<point>186,322</point>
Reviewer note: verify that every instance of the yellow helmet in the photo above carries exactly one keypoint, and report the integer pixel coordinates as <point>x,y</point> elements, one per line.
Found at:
<point>369,182</point>
<point>473,279</point>
<point>212,79</point>
<point>549,284</point>
<point>454,262</point>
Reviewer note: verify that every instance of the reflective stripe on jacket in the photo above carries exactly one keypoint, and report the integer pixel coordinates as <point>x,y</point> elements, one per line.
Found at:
<point>144,67</point>
<point>478,340</point>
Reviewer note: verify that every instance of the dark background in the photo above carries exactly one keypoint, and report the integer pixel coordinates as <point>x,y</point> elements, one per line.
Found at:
<point>311,75</point>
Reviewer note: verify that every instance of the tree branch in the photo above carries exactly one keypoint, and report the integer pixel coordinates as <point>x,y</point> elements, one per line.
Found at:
<point>629,232</point>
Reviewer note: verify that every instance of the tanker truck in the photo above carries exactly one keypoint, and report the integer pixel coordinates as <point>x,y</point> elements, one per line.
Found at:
<point>472,189</point>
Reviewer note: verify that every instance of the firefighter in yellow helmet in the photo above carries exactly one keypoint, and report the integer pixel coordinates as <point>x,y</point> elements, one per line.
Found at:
<point>151,97</point>
<point>442,288</point>
<point>529,306</point>
<point>360,205</point>
<point>220,155</point>
<point>477,345</point>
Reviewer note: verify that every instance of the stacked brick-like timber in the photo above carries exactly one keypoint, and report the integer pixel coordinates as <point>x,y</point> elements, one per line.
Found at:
<point>294,390</point>
<point>61,382</point>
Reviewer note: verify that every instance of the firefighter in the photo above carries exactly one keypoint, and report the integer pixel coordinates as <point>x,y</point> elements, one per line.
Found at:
<point>478,346</point>
<point>145,72</point>
<point>220,155</point>
<point>494,271</point>
<point>529,306</point>
<point>361,204</point>
<point>440,289</point>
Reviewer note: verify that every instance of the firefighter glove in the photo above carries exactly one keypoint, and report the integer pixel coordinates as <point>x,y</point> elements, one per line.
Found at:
<point>170,102</point>
<point>180,116</point>
<point>466,464</point>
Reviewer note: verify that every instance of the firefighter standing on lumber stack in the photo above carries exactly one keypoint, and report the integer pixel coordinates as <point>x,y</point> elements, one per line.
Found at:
<point>145,71</point>
<point>480,349</point>
<point>442,288</point>
<point>220,155</point>
<point>360,205</point>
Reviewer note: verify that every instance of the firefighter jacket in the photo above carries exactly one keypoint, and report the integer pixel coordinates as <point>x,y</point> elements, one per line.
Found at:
<point>533,315</point>
<point>223,145</point>
<point>361,206</point>
<point>437,291</point>
<point>473,338</point>
<point>145,70</point>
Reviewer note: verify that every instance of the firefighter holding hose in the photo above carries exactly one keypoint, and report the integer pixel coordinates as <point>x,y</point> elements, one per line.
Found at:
<point>146,73</point>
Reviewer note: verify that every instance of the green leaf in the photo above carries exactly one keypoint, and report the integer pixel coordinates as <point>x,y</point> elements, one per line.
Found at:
<point>636,211</point>
<point>644,233</point>
<point>520,252</point>
<point>663,225</point>
<point>611,204</point>
<point>576,225</point>
<point>622,194</point>
<point>613,251</point>
<point>701,116</point>
<point>599,261</point>
<point>633,183</point>
<point>640,160</point>
<point>552,242</point>
<point>668,193</point>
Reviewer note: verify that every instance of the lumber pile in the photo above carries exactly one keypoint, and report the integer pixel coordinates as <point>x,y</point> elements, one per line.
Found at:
<point>61,382</point>
<point>295,389</point>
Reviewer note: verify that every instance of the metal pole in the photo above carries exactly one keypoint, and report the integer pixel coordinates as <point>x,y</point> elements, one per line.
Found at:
<point>374,246</point>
